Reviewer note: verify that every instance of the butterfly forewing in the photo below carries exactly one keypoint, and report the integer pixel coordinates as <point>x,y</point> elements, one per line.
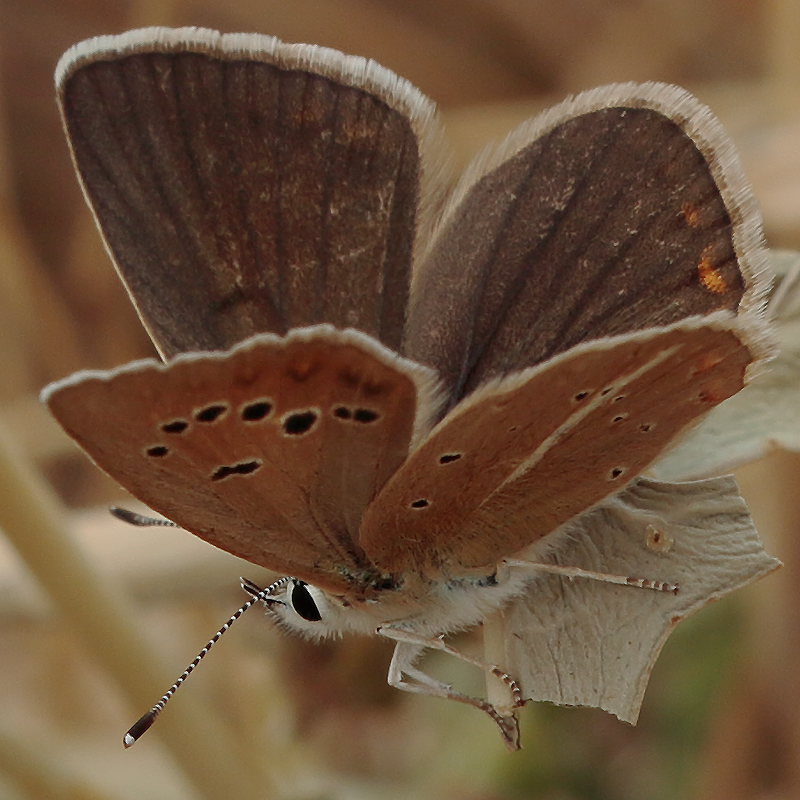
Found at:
<point>521,457</point>
<point>247,186</point>
<point>270,453</point>
<point>597,222</point>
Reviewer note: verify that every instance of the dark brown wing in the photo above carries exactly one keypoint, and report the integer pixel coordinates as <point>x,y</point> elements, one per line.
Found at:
<point>620,210</point>
<point>243,185</point>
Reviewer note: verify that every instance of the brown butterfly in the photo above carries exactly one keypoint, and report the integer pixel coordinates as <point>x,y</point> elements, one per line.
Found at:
<point>407,412</point>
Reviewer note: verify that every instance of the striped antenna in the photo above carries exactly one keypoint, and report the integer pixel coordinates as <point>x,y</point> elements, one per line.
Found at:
<point>146,720</point>
<point>139,520</point>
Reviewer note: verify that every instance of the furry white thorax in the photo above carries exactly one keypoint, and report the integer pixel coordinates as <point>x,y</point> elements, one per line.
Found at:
<point>441,608</point>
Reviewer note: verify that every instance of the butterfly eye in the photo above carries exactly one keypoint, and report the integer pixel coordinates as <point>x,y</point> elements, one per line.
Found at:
<point>303,603</point>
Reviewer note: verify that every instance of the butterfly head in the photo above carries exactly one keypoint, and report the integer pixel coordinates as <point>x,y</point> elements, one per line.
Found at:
<point>300,607</point>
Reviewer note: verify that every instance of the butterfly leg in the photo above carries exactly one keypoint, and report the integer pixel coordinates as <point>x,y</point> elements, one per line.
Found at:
<point>409,647</point>
<point>577,572</point>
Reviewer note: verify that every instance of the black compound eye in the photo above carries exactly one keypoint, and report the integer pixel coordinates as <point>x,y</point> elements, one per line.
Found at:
<point>303,603</point>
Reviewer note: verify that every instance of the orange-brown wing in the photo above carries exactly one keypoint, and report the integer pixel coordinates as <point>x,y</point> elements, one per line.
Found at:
<point>269,451</point>
<point>522,456</point>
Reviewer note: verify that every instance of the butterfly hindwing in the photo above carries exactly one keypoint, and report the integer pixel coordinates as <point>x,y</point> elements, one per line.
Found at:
<point>571,642</point>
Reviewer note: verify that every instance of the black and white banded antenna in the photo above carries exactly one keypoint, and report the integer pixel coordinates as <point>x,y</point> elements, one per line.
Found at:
<point>256,594</point>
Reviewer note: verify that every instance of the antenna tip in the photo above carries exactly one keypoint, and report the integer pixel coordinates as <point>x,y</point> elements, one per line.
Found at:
<point>139,727</point>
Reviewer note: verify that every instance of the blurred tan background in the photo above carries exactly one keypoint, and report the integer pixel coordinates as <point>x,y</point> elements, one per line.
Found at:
<point>273,717</point>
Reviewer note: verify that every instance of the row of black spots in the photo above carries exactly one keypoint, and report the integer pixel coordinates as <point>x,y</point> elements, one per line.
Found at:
<point>253,411</point>
<point>240,468</point>
<point>362,415</point>
<point>295,423</point>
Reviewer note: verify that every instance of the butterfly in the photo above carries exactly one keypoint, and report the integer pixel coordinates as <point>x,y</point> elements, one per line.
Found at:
<point>410,399</point>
